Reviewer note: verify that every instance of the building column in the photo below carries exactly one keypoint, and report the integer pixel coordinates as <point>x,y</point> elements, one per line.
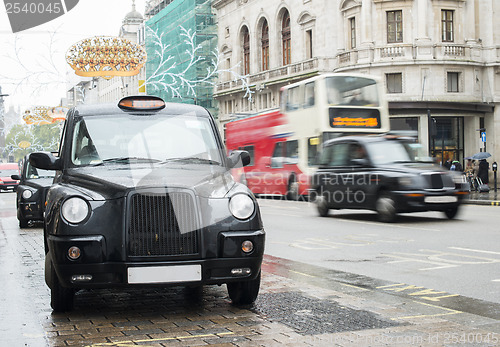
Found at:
<point>365,50</point>
<point>422,41</point>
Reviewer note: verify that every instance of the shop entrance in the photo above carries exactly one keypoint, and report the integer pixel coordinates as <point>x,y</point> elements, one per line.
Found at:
<point>446,138</point>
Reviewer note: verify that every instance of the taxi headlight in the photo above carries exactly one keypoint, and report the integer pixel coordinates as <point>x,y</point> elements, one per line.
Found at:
<point>27,194</point>
<point>241,206</point>
<point>406,181</point>
<point>457,178</point>
<point>75,210</point>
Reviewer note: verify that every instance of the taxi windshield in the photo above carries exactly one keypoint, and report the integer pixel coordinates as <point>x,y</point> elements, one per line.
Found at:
<point>389,152</point>
<point>140,139</point>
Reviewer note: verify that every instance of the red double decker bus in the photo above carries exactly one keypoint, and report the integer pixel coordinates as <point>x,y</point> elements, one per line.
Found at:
<point>283,143</point>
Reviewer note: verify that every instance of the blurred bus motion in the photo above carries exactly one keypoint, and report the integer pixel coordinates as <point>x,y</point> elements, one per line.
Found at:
<point>283,143</point>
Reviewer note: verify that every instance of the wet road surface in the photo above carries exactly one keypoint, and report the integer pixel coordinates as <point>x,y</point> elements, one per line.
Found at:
<point>299,305</point>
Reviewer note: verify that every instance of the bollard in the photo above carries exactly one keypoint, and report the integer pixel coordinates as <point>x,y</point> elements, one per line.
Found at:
<point>494,167</point>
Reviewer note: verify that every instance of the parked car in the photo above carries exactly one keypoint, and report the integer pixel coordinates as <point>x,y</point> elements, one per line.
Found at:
<point>384,174</point>
<point>143,195</point>
<point>31,192</point>
<point>6,172</point>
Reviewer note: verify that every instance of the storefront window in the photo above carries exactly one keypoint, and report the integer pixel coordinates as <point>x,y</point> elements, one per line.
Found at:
<point>448,143</point>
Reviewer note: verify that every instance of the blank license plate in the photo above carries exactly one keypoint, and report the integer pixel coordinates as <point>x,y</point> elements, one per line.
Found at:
<point>440,199</point>
<point>164,274</point>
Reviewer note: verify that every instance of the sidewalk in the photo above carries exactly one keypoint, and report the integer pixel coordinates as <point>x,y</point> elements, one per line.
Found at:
<point>491,198</point>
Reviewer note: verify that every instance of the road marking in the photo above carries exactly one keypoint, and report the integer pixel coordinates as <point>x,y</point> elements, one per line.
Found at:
<point>441,259</point>
<point>495,280</point>
<point>450,312</point>
<point>474,250</point>
<point>403,287</point>
<point>403,259</point>
<point>390,285</point>
<point>301,273</point>
<point>353,286</point>
<point>135,342</point>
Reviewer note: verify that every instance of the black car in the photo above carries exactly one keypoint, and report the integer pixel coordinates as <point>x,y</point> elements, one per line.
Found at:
<point>31,192</point>
<point>143,195</point>
<point>384,174</point>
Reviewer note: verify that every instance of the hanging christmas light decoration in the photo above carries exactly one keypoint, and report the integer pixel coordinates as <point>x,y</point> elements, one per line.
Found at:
<point>41,115</point>
<point>106,56</point>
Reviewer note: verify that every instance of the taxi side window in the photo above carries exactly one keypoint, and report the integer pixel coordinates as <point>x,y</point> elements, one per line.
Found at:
<point>357,151</point>
<point>336,155</point>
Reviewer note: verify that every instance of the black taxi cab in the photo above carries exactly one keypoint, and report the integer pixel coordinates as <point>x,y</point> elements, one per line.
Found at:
<point>31,192</point>
<point>385,174</point>
<point>143,195</point>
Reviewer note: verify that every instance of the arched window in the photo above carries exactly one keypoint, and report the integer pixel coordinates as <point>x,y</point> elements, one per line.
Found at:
<point>286,38</point>
<point>265,46</point>
<point>246,51</point>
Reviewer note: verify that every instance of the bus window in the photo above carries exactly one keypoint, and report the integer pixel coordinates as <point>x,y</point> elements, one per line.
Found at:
<point>312,150</point>
<point>294,99</point>
<point>292,152</point>
<point>277,158</point>
<point>346,90</point>
<point>251,151</point>
<point>309,94</point>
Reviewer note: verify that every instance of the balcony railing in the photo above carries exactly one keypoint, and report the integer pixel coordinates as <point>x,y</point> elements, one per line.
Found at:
<point>295,69</point>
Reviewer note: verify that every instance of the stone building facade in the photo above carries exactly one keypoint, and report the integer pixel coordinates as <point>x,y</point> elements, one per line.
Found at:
<point>439,60</point>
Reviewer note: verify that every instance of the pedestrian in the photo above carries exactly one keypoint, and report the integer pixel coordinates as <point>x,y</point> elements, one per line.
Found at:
<point>447,164</point>
<point>483,171</point>
<point>469,168</point>
<point>457,165</point>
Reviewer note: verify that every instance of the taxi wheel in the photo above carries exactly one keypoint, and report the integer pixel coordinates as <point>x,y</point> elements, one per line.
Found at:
<point>61,299</point>
<point>244,292</point>
<point>451,212</point>
<point>386,208</point>
<point>293,189</point>
<point>322,206</point>
<point>23,223</point>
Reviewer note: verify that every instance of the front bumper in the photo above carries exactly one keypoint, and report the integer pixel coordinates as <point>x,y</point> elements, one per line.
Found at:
<point>414,201</point>
<point>93,269</point>
<point>106,275</point>
<point>31,210</point>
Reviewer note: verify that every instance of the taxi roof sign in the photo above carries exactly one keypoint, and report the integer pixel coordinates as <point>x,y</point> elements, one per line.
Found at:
<point>141,103</point>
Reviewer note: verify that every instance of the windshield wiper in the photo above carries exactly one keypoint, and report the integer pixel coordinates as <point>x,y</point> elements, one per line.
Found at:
<point>128,160</point>
<point>194,160</point>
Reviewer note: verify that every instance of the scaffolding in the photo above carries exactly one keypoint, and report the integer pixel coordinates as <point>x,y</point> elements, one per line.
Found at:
<point>174,22</point>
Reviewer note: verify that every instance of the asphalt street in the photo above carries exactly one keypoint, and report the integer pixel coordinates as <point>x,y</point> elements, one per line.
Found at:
<point>299,305</point>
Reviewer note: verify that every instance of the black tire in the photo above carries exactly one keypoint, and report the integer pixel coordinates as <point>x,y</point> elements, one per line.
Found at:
<point>322,206</point>
<point>292,192</point>
<point>244,292</point>
<point>61,299</point>
<point>386,208</point>
<point>451,212</point>
<point>23,223</point>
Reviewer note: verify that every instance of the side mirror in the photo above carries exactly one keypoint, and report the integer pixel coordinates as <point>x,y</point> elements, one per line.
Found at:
<point>45,160</point>
<point>238,159</point>
<point>15,177</point>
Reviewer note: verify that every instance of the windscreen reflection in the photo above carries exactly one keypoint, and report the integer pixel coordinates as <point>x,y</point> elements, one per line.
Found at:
<point>98,139</point>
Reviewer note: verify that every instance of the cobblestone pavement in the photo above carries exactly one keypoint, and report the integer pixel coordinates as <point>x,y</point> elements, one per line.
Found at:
<point>299,305</point>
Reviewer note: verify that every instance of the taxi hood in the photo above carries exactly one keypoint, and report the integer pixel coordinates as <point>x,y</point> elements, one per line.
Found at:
<point>115,181</point>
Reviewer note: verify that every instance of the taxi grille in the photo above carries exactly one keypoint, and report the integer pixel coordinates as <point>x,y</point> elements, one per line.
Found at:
<point>163,225</point>
<point>436,181</point>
